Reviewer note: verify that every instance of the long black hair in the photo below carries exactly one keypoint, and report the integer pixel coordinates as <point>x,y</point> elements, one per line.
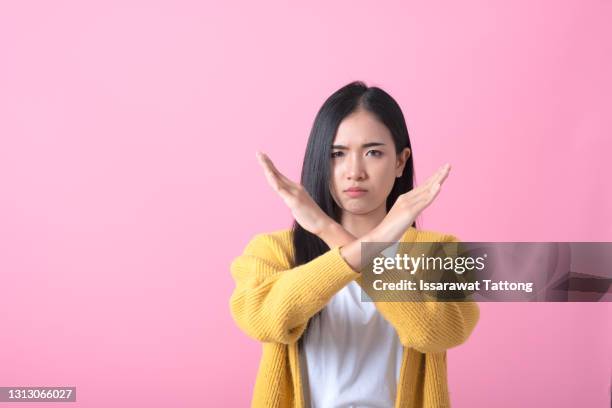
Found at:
<point>317,159</point>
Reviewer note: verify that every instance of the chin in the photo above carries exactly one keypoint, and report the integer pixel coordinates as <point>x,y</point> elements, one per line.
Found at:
<point>359,209</point>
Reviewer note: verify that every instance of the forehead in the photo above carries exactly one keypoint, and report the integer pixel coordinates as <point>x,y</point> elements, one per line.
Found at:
<point>361,127</point>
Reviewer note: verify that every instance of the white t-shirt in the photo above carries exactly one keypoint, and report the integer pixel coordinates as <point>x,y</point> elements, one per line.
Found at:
<point>350,356</point>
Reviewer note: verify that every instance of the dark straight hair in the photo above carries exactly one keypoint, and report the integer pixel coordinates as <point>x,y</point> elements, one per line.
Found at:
<point>316,169</point>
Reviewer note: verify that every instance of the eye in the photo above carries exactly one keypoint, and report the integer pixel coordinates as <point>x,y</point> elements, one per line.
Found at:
<point>376,152</point>
<point>336,154</point>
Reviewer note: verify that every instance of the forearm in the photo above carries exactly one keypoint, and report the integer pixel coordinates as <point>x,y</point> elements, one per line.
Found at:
<point>335,235</point>
<point>351,249</point>
<point>273,300</point>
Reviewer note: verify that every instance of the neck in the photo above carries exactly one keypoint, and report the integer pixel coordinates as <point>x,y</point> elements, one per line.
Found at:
<point>360,224</point>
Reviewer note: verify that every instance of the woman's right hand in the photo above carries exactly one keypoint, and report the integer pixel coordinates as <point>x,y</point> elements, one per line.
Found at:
<point>408,206</point>
<point>304,209</point>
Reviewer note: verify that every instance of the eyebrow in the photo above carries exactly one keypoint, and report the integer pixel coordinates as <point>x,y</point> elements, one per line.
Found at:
<point>342,147</point>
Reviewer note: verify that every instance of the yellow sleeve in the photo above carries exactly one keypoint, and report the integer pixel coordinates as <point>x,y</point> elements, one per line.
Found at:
<point>272,302</point>
<point>430,326</point>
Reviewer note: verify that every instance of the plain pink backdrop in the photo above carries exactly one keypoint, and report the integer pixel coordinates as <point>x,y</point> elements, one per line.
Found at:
<point>129,181</point>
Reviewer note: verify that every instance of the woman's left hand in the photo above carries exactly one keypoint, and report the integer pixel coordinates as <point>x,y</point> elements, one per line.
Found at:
<point>304,209</point>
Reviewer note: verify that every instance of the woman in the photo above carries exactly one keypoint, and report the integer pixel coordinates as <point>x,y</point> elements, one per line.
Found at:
<point>297,291</point>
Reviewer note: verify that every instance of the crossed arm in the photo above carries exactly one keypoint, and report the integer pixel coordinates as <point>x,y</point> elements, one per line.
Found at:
<point>273,302</point>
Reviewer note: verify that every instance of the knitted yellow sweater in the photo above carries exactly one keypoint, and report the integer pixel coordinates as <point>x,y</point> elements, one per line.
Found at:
<point>272,302</point>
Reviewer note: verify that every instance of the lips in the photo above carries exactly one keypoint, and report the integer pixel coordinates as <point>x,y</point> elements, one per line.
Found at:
<point>355,192</point>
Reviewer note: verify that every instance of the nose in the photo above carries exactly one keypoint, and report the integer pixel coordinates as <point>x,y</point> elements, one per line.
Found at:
<point>355,169</point>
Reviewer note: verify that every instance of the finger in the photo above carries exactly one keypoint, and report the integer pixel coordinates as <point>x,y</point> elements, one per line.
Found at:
<point>285,190</point>
<point>445,172</point>
<point>418,193</point>
<point>272,179</point>
<point>433,192</point>
<point>426,199</point>
<point>285,183</point>
<point>271,176</point>
<point>269,163</point>
<point>266,161</point>
<point>429,193</point>
<point>437,173</point>
<point>439,176</point>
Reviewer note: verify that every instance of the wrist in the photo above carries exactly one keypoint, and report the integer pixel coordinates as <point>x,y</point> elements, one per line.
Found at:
<point>334,234</point>
<point>375,235</point>
<point>325,226</point>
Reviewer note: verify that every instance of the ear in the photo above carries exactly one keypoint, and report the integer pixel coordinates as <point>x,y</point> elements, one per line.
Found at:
<point>402,158</point>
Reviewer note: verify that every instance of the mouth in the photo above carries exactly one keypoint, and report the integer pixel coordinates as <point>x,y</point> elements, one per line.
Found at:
<point>355,192</point>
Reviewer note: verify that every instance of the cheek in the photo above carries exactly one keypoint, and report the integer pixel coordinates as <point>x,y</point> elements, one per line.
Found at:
<point>333,183</point>
<point>337,175</point>
<point>384,172</point>
<point>385,179</point>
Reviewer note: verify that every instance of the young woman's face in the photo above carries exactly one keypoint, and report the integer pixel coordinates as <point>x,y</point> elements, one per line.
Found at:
<point>363,157</point>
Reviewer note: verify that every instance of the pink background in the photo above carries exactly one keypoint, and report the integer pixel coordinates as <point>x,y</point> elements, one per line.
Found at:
<point>129,181</point>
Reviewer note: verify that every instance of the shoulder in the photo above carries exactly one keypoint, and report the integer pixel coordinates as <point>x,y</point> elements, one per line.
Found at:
<point>275,245</point>
<point>419,235</point>
<point>281,237</point>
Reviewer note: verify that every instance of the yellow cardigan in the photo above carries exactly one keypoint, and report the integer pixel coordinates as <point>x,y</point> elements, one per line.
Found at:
<point>273,302</point>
